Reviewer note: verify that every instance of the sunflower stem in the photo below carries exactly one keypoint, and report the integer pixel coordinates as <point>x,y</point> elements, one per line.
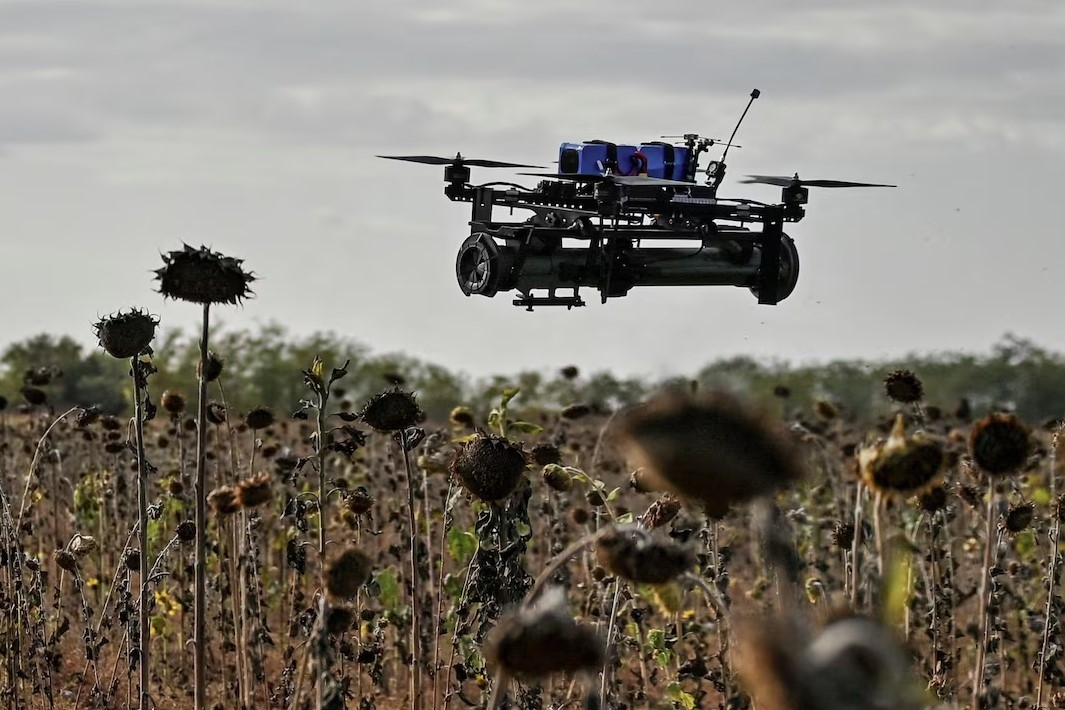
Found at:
<point>199,631</point>
<point>1052,568</point>
<point>981,637</point>
<point>142,533</point>
<point>415,630</point>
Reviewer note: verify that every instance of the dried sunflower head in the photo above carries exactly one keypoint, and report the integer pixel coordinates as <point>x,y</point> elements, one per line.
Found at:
<point>66,560</point>
<point>462,417</point>
<point>489,466</point>
<point>662,512</point>
<point>259,418</point>
<point>359,501</point>
<point>347,573</point>
<point>999,444</point>
<point>394,410</point>
<point>82,545</point>
<point>173,402</point>
<point>639,558</point>
<point>211,369</point>
<point>546,454</point>
<point>224,500</point>
<point>710,449</point>
<point>126,335</point>
<point>1019,517</point>
<point>339,619</point>
<point>537,641</point>
<point>935,498</point>
<point>186,531</point>
<point>902,465</point>
<point>843,534</point>
<point>203,276</point>
<point>903,386</point>
<point>255,491</point>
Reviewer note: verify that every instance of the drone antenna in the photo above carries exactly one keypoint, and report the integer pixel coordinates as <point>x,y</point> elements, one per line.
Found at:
<point>754,95</point>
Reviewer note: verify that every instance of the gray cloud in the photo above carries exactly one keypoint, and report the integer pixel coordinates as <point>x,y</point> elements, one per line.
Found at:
<point>252,126</point>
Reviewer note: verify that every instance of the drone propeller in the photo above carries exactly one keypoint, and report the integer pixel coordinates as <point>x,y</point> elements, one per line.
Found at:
<point>782,181</point>
<point>457,160</point>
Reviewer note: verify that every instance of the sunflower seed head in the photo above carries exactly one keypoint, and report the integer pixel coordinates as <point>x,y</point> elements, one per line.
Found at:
<point>126,335</point>
<point>203,276</point>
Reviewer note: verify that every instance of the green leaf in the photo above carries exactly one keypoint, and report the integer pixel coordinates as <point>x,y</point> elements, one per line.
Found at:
<point>464,439</point>
<point>678,695</point>
<point>508,394</point>
<point>663,658</point>
<point>657,639</point>
<point>388,582</point>
<point>626,518</point>
<point>897,589</point>
<point>526,427</point>
<point>461,544</point>
<point>613,495</point>
<point>1041,496</point>
<point>1025,543</point>
<point>453,586</point>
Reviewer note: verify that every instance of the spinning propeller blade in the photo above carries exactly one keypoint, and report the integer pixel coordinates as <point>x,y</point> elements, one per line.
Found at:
<point>458,160</point>
<point>782,181</point>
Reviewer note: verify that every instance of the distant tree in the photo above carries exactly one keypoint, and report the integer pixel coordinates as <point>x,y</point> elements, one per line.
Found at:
<point>79,379</point>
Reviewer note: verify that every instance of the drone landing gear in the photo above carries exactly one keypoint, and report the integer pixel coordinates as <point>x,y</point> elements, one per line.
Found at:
<point>570,302</point>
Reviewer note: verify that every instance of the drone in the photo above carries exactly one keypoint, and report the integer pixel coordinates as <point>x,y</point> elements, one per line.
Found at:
<point>602,219</point>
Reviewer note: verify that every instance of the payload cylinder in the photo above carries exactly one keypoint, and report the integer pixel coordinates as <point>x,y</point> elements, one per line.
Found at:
<point>485,267</point>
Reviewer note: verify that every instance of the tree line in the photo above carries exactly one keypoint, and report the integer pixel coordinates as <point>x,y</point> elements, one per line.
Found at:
<point>264,367</point>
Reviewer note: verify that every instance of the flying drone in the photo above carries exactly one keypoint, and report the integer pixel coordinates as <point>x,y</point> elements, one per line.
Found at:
<point>596,221</point>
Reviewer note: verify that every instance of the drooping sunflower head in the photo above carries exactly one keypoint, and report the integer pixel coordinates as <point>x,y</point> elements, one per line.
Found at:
<point>203,276</point>
<point>393,410</point>
<point>902,466</point>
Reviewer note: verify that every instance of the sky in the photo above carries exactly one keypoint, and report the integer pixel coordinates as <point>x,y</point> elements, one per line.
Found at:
<point>130,127</point>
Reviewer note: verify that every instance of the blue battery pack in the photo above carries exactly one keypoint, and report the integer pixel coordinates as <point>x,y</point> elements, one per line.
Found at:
<point>665,160</point>
<point>595,157</point>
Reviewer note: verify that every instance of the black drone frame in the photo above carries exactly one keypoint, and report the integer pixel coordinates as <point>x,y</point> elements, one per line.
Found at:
<point>612,216</point>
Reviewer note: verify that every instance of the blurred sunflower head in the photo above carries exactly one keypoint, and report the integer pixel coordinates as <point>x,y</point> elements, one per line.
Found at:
<point>1000,444</point>
<point>537,641</point>
<point>711,449</point>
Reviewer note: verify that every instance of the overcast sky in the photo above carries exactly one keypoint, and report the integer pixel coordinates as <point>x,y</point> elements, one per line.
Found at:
<point>127,128</point>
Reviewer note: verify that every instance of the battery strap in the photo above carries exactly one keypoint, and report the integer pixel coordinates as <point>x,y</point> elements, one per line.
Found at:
<point>611,153</point>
